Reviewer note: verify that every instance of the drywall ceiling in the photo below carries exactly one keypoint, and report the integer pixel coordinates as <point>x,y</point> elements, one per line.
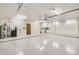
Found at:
<point>34,10</point>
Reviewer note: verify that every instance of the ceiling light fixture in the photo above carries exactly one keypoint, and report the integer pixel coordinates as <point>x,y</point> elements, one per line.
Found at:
<point>55,10</point>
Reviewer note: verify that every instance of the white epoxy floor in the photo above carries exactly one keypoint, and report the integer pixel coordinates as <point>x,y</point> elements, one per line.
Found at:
<point>42,45</point>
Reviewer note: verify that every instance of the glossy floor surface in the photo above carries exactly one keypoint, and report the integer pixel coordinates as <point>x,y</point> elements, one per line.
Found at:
<point>42,45</point>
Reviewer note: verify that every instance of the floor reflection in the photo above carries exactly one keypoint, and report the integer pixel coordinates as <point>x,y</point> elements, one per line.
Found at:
<point>20,53</point>
<point>49,44</point>
<point>70,50</point>
<point>55,44</point>
<point>42,48</point>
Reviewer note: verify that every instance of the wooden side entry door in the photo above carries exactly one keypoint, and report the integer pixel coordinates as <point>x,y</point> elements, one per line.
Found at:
<point>28,29</point>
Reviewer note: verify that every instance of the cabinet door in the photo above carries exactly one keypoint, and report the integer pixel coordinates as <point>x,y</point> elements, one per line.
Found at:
<point>28,29</point>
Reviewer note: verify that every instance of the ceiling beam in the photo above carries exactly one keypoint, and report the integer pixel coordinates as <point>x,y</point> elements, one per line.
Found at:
<point>20,5</point>
<point>64,12</point>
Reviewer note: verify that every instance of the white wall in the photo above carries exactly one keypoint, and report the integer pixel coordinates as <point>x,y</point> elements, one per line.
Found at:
<point>19,22</point>
<point>67,27</point>
<point>35,28</point>
<point>52,28</point>
<point>78,26</point>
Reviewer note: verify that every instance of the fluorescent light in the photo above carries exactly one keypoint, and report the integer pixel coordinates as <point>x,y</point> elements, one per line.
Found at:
<point>55,10</point>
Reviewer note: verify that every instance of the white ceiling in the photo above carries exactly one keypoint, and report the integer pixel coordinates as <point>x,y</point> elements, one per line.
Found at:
<point>34,10</point>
